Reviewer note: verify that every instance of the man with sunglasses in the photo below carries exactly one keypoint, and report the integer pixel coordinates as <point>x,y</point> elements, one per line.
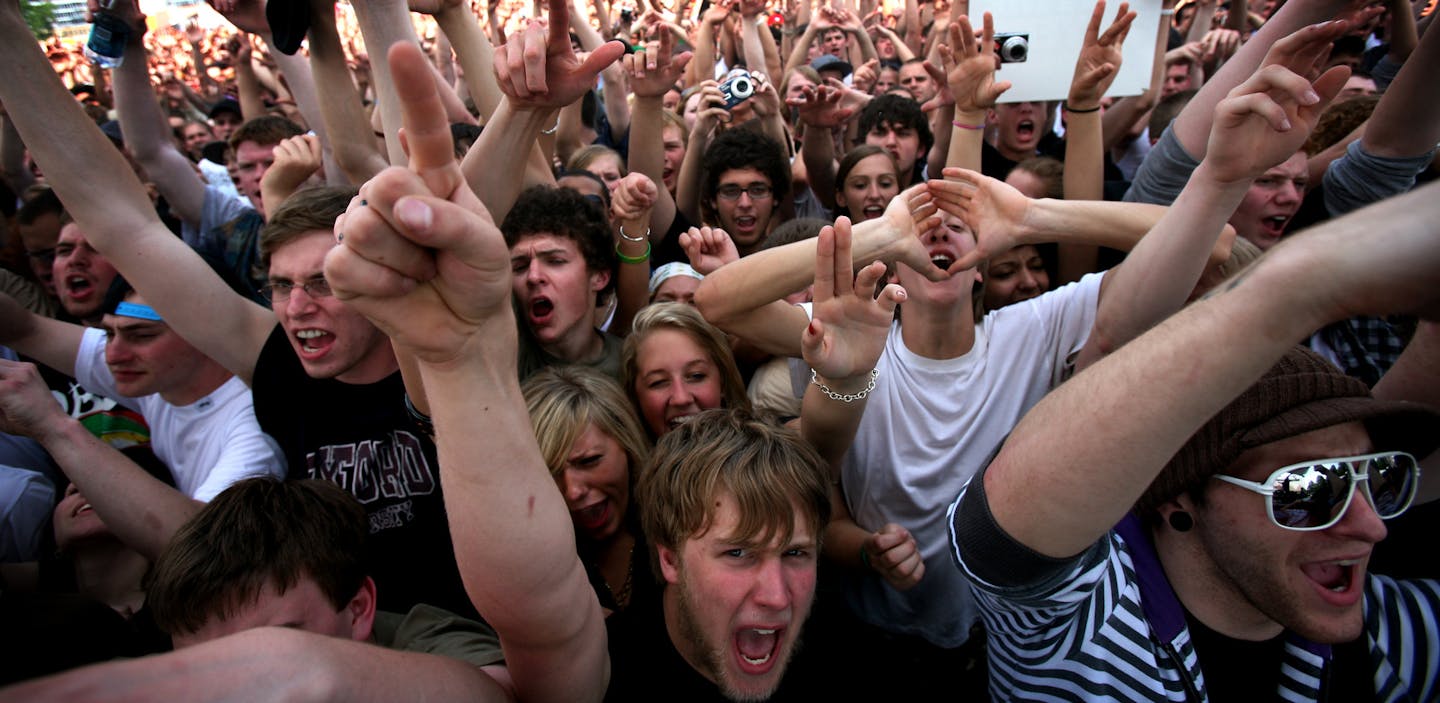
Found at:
<point>1241,569</point>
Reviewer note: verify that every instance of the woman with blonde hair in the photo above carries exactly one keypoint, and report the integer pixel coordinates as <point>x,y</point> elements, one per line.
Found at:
<point>593,444</point>
<point>675,365</point>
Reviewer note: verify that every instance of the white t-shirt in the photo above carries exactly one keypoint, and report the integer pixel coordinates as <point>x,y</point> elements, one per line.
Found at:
<point>208,444</point>
<point>931,424</point>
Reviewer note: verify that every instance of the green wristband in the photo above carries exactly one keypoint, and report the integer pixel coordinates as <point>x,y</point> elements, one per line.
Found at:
<point>633,259</point>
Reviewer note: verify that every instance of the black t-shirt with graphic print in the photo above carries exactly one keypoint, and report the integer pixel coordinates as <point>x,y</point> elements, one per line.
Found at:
<point>360,437</point>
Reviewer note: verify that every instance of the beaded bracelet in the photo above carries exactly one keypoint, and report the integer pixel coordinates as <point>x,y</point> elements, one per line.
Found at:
<point>845,397</point>
<point>633,259</point>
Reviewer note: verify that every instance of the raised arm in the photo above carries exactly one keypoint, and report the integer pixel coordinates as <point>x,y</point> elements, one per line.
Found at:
<point>739,297</point>
<point>1262,123</point>
<point>147,135</point>
<point>1174,378</point>
<point>652,71</point>
<point>353,143</point>
<point>539,73</point>
<point>103,195</point>
<point>969,65</point>
<point>1095,70</point>
<point>443,297</point>
<point>842,343</point>
<point>822,113</point>
<point>143,512</point>
<point>1192,127</point>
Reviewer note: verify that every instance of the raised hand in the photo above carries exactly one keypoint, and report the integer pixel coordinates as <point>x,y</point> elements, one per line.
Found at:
<point>296,160</point>
<point>653,70</point>
<point>632,199</point>
<point>1266,119</point>
<point>970,65</point>
<point>866,75</point>
<point>893,554</point>
<point>248,15</point>
<point>708,248</point>
<point>849,324</point>
<point>910,215</point>
<point>1100,55</point>
<point>821,106</point>
<point>538,67</point>
<point>419,254</point>
<point>993,210</point>
<point>26,406</point>
<point>711,113</point>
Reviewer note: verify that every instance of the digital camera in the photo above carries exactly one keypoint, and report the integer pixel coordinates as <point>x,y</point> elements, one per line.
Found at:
<point>1012,47</point>
<point>737,87</point>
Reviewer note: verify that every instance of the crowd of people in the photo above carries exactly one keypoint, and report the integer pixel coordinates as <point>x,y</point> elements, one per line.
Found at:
<point>731,350</point>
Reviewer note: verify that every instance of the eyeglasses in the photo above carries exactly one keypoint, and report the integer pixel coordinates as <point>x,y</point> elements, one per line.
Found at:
<point>279,291</point>
<point>1314,495</point>
<point>757,191</point>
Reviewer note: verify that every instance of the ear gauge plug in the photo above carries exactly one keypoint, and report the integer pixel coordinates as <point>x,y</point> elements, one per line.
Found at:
<point>1180,521</point>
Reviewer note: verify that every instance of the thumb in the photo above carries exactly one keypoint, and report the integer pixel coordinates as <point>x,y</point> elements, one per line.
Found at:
<point>608,53</point>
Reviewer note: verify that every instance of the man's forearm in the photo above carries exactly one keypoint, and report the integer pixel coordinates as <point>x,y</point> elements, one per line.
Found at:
<point>298,665</point>
<point>508,518</point>
<point>147,138</point>
<point>1406,121</point>
<point>1168,382</point>
<point>509,138</point>
<point>1102,223</point>
<point>143,512</point>
<point>1162,270</point>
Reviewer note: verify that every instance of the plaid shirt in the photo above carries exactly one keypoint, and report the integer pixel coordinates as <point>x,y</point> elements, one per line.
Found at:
<point>1367,347</point>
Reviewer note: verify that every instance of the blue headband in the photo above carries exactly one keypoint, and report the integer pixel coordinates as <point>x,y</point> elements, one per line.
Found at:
<point>138,311</point>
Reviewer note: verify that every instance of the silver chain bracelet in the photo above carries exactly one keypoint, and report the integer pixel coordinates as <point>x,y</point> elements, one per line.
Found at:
<point>845,397</point>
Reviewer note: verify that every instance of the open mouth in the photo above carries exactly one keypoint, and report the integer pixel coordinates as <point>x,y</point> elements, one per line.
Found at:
<point>1275,225</point>
<point>942,259</point>
<point>1339,582</point>
<point>1026,129</point>
<point>873,211</point>
<point>756,649</point>
<point>541,309</point>
<point>314,341</point>
<point>745,223</point>
<point>84,508</point>
<point>77,285</point>
<point>594,516</point>
<point>679,420</point>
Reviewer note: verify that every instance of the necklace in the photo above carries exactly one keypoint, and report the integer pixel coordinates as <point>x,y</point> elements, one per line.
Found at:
<point>622,597</point>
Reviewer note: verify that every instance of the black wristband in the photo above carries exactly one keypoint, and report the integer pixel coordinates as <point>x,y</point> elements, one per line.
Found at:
<point>1080,112</point>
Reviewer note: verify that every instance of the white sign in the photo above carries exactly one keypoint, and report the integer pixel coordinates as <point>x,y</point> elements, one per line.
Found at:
<point>1057,29</point>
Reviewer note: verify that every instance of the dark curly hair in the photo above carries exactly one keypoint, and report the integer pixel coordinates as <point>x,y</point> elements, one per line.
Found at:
<point>563,212</point>
<point>900,111</point>
<point>741,148</point>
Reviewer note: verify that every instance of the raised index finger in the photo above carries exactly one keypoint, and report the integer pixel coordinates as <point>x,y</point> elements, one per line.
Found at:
<point>560,25</point>
<point>427,130</point>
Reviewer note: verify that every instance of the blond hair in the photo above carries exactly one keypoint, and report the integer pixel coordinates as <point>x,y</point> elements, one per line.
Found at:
<point>686,319</point>
<point>564,400</point>
<point>769,471</point>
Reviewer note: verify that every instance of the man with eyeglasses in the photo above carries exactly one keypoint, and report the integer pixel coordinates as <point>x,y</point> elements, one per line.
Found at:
<point>746,183</point>
<point>1166,526</point>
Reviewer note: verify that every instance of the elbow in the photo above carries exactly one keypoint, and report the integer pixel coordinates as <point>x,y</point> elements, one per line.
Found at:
<point>709,301</point>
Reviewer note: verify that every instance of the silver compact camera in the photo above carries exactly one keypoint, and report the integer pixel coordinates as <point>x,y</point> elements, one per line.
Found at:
<point>737,87</point>
<point>1013,47</point>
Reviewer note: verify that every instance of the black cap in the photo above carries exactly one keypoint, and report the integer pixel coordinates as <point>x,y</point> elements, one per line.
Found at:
<point>226,105</point>
<point>289,21</point>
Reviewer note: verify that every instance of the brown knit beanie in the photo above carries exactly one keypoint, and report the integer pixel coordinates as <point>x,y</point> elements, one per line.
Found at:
<point>1301,393</point>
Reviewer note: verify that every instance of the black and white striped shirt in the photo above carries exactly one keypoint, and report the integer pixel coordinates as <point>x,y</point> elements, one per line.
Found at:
<point>1105,625</point>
